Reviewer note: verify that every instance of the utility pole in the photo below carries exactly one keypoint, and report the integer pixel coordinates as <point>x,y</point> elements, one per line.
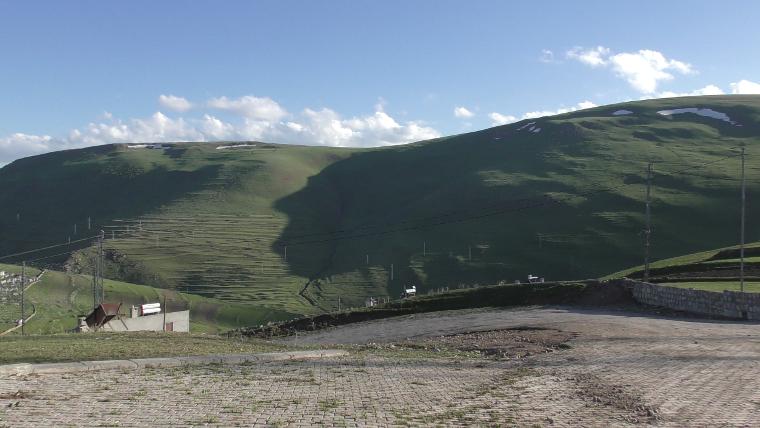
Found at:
<point>286,254</point>
<point>97,274</point>
<point>75,228</point>
<point>391,271</point>
<point>367,259</point>
<point>23,280</point>
<point>648,229</point>
<point>424,248</point>
<point>88,224</point>
<point>102,265</point>
<point>741,245</point>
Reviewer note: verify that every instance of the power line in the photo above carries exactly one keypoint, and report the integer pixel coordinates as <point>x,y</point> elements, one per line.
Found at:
<point>36,250</point>
<point>51,256</point>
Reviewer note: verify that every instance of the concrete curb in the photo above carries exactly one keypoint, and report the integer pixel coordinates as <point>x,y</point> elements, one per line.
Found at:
<point>142,363</point>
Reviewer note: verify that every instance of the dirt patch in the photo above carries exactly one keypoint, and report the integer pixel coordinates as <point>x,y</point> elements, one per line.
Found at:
<point>15,395</point>
<point>518,342</point>
<point>597,391</point>
<point>513,343</point>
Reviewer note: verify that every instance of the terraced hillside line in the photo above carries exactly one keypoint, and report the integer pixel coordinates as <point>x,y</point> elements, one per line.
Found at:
<point>719,265</point>
<point>244,269</point>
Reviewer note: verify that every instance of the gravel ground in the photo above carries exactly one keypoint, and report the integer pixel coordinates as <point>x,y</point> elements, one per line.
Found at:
<point>560,367</point>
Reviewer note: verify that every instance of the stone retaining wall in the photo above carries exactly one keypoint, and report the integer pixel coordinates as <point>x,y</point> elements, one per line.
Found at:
<point>728,304</point>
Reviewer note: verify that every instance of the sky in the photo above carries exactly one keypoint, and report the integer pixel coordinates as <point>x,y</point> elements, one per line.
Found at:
<point>347,73</point>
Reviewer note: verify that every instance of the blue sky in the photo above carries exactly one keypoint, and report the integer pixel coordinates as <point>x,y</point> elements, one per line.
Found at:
<point>353,73</point>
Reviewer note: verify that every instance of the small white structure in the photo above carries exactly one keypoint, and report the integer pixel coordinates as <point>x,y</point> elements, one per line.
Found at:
<point>168,321</point>
<point>147,309</point>
<point>146,317</point>
<point>532,279</point>
<point>409,292</point>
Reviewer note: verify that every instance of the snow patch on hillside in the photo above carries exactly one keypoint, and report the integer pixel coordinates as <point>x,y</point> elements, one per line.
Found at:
<point>621,112</point>
<point>526,125</point>
<point>149,146</point>
<point>235,146</point>
<point>704,112</point>
<point>531,127</point>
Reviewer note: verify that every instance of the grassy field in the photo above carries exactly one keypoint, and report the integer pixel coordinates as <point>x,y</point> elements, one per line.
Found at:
<point>718,286</point>
<point>713,270</point>
<point>107,346</point>
<point>498,204</point>
<point>58,298</point>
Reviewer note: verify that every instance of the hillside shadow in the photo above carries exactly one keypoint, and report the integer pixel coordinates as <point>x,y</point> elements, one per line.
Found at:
<point>490,187</point>
<point>384,203</point>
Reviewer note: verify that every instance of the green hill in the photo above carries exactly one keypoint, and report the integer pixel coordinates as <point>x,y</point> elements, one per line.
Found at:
<point>560,196</point>
<point>58,298</point>
<point>713,270</point>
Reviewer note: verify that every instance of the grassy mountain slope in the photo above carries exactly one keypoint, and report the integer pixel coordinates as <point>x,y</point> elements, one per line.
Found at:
<point>562,198</point>
<point>712,270</point>
<point>58,298</point>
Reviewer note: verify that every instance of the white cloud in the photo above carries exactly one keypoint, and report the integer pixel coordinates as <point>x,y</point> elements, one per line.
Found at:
<point>594,57</point>
<point>20,145</point>
<point>707,90</point>
<point>216,129</point>
<point>580,106</point>
<point>643,70</point>
<point>745,87</point>
<point>326,127</point>
<point>547,56</point>
<point>463,113</point>
<point>501,119</point>
<point>312,126</point>
<point>173,102</point>
<point>251,107</point>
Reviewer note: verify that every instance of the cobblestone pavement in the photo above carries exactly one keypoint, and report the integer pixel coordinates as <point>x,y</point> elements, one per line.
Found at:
<point>620,370</point>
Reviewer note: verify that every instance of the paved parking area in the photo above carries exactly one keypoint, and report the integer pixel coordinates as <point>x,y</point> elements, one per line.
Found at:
<point>621,369</point>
